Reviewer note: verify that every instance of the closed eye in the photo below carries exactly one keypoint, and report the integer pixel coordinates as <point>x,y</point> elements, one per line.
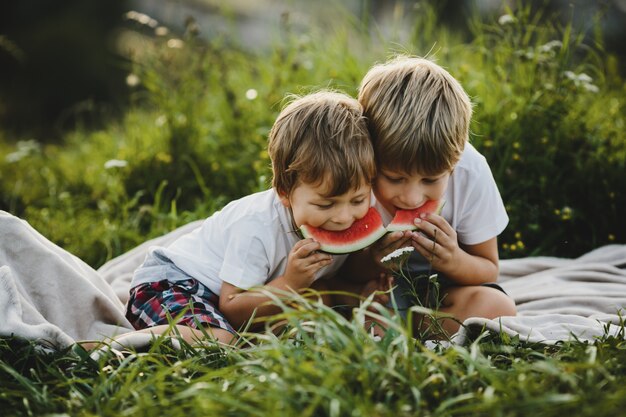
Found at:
<point>393,180</point>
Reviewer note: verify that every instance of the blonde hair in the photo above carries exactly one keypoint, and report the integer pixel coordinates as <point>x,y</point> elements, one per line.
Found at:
<point>321,137</point>
<point>417,113</point>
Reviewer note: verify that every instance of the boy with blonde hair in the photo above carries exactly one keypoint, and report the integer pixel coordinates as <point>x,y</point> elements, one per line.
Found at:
<point>323,165</point>
<point>419,118</point>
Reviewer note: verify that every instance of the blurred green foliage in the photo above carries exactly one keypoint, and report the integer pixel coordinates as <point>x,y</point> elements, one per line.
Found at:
<point>550,113</point>
<point>59,65</point>
<point>549,117</point>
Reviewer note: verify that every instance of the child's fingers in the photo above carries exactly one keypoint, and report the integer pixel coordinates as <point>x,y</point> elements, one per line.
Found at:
<point>305,247</point>
<point>392,237</point>
<point>389,245</point>
<point>392,240</point>
<point>434,225</point>
<point>426,247</point>
<point>381,298</point>
<point>384,281</point>
<point>309,265</point>
<point>390,282</point>
<point>319,260</point>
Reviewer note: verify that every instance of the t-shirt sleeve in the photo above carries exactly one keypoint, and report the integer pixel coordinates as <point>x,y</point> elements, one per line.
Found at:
<point>247,254</point>
<point>483,215</point>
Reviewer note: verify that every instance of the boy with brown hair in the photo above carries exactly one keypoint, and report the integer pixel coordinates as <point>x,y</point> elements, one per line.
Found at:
<point>419,118</point>
<point>323,164</point>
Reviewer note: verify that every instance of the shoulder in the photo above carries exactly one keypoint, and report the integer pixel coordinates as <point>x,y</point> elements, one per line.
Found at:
<point>476,210</point>
<point>260,216</point>
<point>472,162</point>
<point>251,216</point>
<point>261,206</point>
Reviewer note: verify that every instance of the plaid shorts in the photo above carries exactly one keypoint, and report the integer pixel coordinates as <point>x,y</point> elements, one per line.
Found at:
<point>192,303</point>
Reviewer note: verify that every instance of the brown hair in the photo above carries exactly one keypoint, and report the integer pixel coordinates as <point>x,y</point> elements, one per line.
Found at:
<point>417,113</point>
<point>321,137</point>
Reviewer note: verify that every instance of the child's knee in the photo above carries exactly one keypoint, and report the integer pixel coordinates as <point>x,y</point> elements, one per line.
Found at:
<point>494,302</point>
<point>482,301</point>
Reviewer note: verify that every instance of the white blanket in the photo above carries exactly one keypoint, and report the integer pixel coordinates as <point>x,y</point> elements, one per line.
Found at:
<point>49,295</point>
<point>561,299</point>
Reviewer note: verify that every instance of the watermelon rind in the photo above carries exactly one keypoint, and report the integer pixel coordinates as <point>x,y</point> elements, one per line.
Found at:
<point>403,219</point>
<point>370,227</point>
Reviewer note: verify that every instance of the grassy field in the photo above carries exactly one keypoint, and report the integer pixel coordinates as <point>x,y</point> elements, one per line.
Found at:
<point>323,365</point>
<point>549,117</point>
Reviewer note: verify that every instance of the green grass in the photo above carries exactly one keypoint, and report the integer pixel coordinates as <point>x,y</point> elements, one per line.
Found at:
<point>321,365</point>
<point>193,139</point>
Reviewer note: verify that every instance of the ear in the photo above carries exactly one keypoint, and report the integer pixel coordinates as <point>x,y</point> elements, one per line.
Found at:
<point>284,199</point>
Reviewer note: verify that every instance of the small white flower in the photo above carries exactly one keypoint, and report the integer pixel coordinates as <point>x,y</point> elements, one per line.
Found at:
<point>181,119</point>
<point>582,77</point>
<point>582,80</point>
<point>251,94</point>
<point>142,18</point>
<point>160,121</point>
<point>161,31</point>
<point>506,19</point>
<point>397,253</point>
<point>24,149</point>
<point>115,163</point>
<point>175,43</point>
<point>555,44</point>
<point>132,80</point>
<point>571,75</point>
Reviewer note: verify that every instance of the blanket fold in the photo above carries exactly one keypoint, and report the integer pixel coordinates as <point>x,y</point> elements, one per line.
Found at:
<point>47,294</point>
<point>561,299</point>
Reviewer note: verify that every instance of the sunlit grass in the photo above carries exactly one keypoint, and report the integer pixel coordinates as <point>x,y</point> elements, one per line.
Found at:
<point>321,364</point>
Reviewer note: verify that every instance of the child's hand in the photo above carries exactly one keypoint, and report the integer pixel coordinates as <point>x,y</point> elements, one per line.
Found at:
<point>436,240</point>
<point>387,244</point>
<point>380,287</point>
<point>303,263</point>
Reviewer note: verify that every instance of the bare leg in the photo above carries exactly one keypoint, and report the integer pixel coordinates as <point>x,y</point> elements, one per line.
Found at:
<point>189,334</point>
<point>472,301</point>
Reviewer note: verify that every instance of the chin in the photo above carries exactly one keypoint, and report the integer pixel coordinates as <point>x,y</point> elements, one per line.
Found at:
<point>392,209</point>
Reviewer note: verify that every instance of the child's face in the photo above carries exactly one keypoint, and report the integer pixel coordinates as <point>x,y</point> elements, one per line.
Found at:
<point>310,205</point>
<point>399,190</point>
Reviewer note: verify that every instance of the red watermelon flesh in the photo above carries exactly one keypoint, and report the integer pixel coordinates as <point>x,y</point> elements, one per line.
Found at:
<point>361,234</point>
<point>404,219</point>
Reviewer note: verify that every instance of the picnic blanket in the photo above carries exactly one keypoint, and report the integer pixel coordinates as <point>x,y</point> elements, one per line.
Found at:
<point>559,299</point>
<point>49,295</point>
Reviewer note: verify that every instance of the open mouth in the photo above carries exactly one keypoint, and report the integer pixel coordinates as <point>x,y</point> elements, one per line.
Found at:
<point>337,228</point>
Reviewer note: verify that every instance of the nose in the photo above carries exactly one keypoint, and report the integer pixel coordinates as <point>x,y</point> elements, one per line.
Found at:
<point>412,197</point>
<point>345,215</point>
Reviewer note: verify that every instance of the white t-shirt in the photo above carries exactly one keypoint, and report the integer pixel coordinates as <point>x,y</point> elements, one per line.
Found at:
<point>473,205</point>
<point>245,244</point>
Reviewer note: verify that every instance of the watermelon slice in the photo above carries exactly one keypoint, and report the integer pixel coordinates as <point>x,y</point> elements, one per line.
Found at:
<point>404,219</point>
<point>361,234</point>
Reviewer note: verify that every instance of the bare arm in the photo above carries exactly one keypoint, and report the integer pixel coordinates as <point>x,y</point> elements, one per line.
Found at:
<point>480,266</point>
<point>304,261</point>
